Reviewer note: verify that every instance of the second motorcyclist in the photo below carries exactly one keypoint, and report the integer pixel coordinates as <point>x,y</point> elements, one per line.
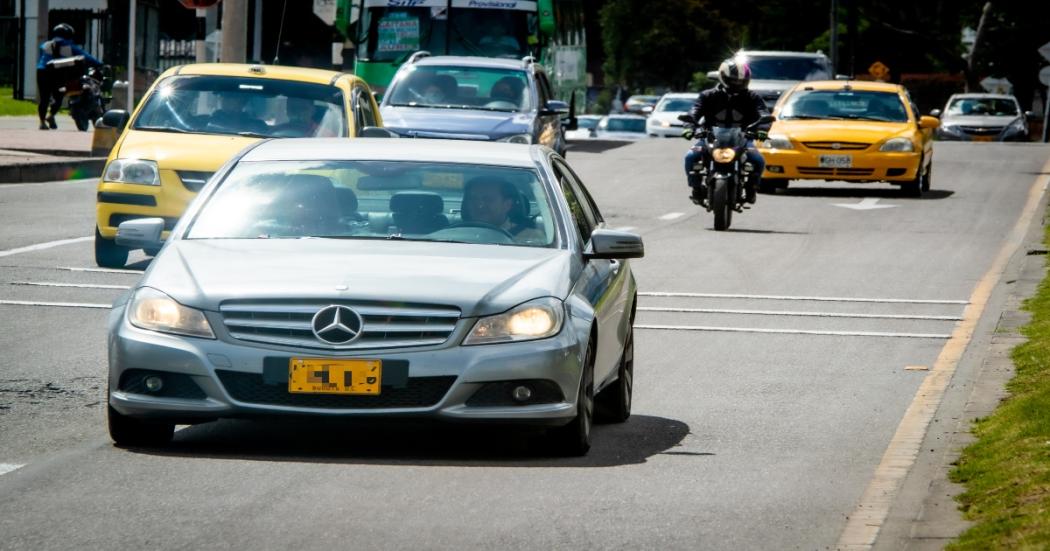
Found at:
<point>730,103</point>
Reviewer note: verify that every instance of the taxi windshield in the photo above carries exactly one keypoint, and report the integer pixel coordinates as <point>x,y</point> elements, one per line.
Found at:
<point>396,200</point>
<point>844,104</point>
<point>256,107</point>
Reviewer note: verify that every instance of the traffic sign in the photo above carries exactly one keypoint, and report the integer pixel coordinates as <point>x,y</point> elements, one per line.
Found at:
<point>325,10</point>
<point>997,85</point>
<point>1044,51</point>
<point>879,70</point>
<point>1044,75</point>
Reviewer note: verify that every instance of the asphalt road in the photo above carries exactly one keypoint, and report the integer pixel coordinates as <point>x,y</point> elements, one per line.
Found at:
<point>763,433</point>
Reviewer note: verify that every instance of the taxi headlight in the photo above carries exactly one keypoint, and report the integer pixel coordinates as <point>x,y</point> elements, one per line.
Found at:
<point>517,138</point>
<point>898,145</point>
<point>153,310</point>
<point>724,155</point>
<point>778,141</point>
<point>536,319</point>
<point>133,171</point>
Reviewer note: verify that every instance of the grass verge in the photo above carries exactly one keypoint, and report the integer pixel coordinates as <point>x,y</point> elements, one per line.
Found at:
<point>11,106</point>
<point>1007,470</point>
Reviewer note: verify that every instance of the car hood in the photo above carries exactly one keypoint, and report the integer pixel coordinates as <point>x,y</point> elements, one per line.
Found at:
<point>990,121</point>
<point>621,135</point>
<point>424,121</point>
<point>669,116</point>
<point>478,279</point>
<point>838,130</point>
<point>203,152</point>
<point>779,86</point>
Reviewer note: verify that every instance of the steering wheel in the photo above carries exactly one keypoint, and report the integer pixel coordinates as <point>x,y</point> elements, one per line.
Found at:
<point>481,225</point>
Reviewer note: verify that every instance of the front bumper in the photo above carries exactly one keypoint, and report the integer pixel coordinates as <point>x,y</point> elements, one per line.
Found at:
<point>665,131</point>
<point>956,134</point>
<point>117,202</point>
<point>801,164</point>
<point>239,379</point>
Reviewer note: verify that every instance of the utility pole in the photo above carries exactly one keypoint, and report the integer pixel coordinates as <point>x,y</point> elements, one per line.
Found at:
<point>234,31</point>
<point>42,27</point>
<point>133,11</point>
<point>851,29</point>
<point>834,37</point>
<point>201,34</point>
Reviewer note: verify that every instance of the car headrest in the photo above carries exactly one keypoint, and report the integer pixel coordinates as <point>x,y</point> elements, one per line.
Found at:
<point>417,203</point>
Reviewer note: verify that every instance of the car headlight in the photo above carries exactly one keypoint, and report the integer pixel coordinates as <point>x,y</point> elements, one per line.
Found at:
<point>517,138</point>
<point>1016,126</point>
<point>778,141</point>
<point>949,129</point>
<point>898,145</point>
<point>153,310</point>
<point>665,124</point>
<point>536,319</point>
<point>133,171</point>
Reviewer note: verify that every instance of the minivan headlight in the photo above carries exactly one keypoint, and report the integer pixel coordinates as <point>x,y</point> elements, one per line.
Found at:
<point>517,138</point>
<point>153,310</point>
<point>536,319</point>
<point>132,171</point>
<point>898,145</point>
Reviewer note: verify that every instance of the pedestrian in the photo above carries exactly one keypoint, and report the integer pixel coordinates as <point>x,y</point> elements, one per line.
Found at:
<point>48,80</point>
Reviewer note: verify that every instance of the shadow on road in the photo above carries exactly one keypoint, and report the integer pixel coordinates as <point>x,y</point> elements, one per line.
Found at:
<point>328,441</point>
<point>861,192</point>
<point>595,146</point>
<point>766,232</point>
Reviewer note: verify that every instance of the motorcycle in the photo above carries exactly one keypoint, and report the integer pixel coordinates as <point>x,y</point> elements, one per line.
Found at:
<point>89,91</point>
<point>724,168</point>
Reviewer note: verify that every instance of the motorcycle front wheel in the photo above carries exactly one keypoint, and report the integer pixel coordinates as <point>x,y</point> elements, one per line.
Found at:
<point>721,204</point>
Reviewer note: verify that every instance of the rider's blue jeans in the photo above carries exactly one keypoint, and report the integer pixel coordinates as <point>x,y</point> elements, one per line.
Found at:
<point>695,153</point>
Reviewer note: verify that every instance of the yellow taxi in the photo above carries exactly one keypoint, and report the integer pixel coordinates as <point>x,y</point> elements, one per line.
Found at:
<point>196,117</point>
<point>852,131</point>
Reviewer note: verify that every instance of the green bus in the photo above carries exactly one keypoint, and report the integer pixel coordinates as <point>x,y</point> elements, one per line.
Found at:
<point>387,32</point>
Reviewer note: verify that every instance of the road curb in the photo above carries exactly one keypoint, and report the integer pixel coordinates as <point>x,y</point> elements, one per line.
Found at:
<point>51,171</point>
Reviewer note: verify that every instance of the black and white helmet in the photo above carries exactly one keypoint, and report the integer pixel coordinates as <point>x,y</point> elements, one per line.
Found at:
<point>734,74</point>
<point>63,30</point>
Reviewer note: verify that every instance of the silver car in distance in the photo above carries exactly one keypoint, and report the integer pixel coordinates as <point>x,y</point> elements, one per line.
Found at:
<point>380,277</point>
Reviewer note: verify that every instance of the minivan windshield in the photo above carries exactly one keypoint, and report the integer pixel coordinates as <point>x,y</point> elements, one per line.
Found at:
<point>462,87</point>
<point>257,107</point>
<point>396,200</point>
<point>788,68</point>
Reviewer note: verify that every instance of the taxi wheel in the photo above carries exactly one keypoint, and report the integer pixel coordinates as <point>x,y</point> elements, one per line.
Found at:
<point>574,439</point>
<point>127,431</point>
<point>108,254</point>
<point>927,179</point>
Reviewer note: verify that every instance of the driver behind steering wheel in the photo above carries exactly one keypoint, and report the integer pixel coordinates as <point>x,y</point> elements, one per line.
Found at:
<point>494,201</point>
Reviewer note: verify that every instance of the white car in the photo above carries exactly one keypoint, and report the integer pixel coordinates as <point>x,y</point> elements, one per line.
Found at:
<point>663,122</point>
<point>585,128</point>
<point>621,127</point>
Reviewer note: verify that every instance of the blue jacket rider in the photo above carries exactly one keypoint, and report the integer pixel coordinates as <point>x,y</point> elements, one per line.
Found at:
<point>47,85</point>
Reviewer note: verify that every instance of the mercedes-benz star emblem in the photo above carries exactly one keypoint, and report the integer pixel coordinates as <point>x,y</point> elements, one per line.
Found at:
<point>336,324</point>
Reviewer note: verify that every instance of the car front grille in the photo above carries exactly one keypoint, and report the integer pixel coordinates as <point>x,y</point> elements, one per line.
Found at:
<point>837,146</point>
<point>819,171</point>
<point>982,130</point>
<point>418,392</point>
<point>193,180</point>
<point>385,324</point>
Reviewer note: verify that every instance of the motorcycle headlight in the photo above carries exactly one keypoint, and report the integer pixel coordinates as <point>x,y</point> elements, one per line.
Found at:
<point>536,319</point>
<point>898,145</point>
<point>133,171</point>
<point>724,155</point>
<point>778,141</point>
<point>517,138</point>
<point>153,310</point>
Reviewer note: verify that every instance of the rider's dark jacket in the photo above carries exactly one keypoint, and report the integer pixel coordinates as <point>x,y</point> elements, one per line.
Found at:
<point>719,107</point>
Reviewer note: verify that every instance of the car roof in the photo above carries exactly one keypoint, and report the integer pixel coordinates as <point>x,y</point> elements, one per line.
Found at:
<point>778,53</point>
<point>983,96</point>
<point>471,61</point>
<point>279,72</point>
<point>858,85</point>
<point>394,149</point>
<point>689,95</point>
<point>625,116</point>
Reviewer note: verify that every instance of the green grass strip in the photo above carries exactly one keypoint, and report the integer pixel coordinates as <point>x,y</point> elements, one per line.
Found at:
<point>1007,470</point>
<point>11,106</point>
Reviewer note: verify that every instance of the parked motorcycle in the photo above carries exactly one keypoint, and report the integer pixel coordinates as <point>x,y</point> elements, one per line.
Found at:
<point>724,168</point>
<point>89,89</point>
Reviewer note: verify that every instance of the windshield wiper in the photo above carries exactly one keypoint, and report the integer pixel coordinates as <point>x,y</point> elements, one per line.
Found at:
<point>163,129</point>
<point>252,135</point>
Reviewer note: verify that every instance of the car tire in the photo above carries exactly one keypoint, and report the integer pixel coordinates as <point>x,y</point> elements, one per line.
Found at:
<point>108,254</point>
<point>128,431</point>
<point>574,438</point>
<point>614,402</point>
<point>927,179</point>
<point>771,185</point>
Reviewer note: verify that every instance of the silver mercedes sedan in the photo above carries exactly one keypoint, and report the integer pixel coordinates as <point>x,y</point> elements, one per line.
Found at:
<point>379,278</point>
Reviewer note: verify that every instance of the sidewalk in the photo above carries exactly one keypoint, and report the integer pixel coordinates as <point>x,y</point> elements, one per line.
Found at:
<point>28,154</point>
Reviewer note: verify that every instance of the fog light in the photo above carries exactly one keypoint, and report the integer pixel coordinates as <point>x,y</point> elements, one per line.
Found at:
<point>522,393</point>
<point>775,169</point>
<point>154,383</point>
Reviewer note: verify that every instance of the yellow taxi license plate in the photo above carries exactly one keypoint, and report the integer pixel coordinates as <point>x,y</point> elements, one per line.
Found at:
<point>836,161</point>
<point>330,376</point>
<point>983,138</point>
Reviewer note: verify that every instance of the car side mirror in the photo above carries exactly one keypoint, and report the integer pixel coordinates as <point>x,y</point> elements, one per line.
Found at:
<point>141,233</point>
<point>766,119</point>
<point>1031,115</point>
<point>377,132</point>
<point>116,118</point>
<point>929,122</point>
<point>613,244</point>
<point>935,113</point>
<point>556,107</point>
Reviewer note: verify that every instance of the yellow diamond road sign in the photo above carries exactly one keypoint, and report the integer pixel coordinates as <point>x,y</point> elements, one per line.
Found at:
<point>879,70</point>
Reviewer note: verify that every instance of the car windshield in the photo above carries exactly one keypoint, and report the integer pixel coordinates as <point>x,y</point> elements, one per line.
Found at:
<point>256,107</point>
<point>983,106</point>
<point>844,104</point>
<point>788,68</point>
<point>623,125</point>
<point>397,200</point>
<point>675,105</point>
<point>491,89</point>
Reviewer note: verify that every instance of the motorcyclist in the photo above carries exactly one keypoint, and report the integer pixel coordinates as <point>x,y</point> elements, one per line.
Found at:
<point>48,82</point>
<point>730,103</point>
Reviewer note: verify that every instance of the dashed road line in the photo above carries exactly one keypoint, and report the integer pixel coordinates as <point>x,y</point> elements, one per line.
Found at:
<point>8,467</point>
<point>790,297</point>
<point>792,331</point>
<point>47,245</point>
<point>76,285</point>
<point>798,314</point>
<point>56,304</point>
<point>672,215</point>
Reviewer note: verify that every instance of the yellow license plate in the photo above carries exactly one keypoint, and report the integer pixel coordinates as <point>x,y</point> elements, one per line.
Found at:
<point>330,376</point>
<point>983,138</point>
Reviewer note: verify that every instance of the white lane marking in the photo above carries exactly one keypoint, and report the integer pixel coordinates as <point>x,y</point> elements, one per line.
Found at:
<point>77,285</point>
<point>58,304</point>
<point>100,270</point>
<point>800,314</point>
<point>8,467</point>
<point>787,297</point>
<point>672,215</point>
<point>870,203</point>
<point>625,228</point>
<point>48,245</point>
<point>793,331</point>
